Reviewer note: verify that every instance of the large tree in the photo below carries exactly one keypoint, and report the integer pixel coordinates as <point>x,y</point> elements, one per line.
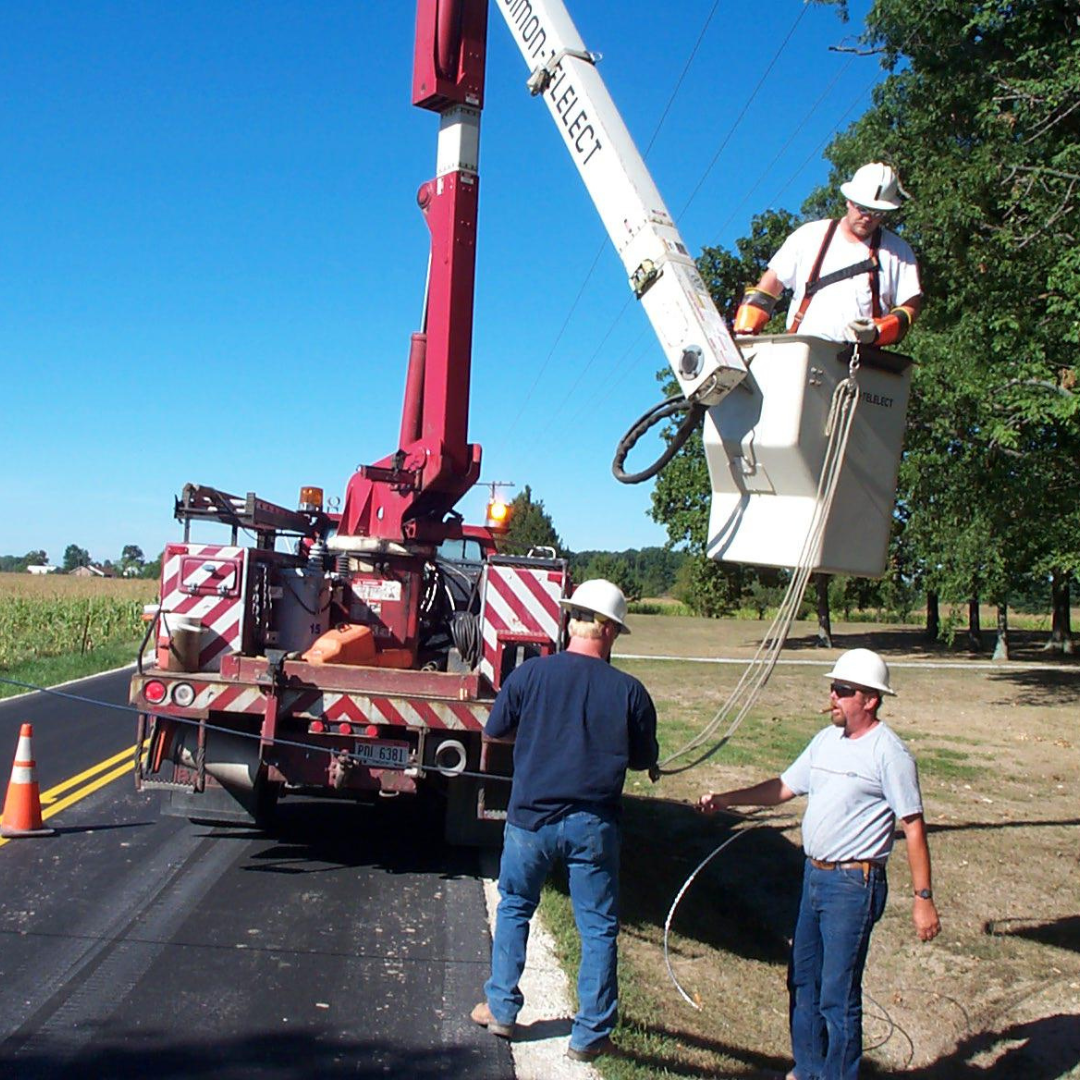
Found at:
<point>530,526</point>
<point>980,110</point>
<point>75,556</point>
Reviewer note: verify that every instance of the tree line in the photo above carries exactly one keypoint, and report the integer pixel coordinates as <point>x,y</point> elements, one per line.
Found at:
<point>131,563</point>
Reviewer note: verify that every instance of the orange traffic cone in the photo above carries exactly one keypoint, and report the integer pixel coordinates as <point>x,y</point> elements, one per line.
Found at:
<point>22,807</point>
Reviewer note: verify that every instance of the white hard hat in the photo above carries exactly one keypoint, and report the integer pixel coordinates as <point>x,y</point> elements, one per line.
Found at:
<point>862,667</point>
<point>875,186</point>
<point>599,597</point>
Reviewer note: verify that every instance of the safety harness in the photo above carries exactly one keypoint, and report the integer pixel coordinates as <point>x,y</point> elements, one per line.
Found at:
<point>815,283</point>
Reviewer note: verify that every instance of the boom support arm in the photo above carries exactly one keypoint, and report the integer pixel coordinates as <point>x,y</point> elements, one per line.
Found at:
<point>406,496</point>
<point>661,271</point>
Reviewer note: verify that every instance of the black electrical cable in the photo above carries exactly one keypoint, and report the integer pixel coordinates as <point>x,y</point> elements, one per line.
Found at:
<point>661,411</point>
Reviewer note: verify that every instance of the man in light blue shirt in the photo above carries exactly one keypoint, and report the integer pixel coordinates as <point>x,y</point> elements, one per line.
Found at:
<point>860,779</point>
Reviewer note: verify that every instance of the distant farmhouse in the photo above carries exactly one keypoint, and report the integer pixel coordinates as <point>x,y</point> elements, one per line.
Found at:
<point>93,570</point>
<point>42,569</point>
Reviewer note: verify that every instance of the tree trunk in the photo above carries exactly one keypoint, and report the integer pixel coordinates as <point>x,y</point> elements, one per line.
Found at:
<point>975,642</point>
<point>1060,628</point>
<point>1001,646</point>
<point>933,616</point>
<point>824,623</point>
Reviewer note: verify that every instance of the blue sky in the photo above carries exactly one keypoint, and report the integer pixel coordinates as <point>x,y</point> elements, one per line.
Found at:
<point>211,258</point>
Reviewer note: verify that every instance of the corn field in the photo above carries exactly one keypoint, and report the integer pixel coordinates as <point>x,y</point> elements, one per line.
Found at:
<point>55,616</point>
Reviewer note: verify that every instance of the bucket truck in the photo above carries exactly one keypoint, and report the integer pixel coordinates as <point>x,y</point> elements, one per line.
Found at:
<point>358,652</point>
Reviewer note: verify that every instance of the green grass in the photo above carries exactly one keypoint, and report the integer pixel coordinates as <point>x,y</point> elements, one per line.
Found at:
<point>658,607</point>
<point>942,763</point>
<point>52,670</point>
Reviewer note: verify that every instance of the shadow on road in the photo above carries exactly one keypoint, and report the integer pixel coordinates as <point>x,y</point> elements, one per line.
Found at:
<point>403,835</point>
<point>135,1055</point>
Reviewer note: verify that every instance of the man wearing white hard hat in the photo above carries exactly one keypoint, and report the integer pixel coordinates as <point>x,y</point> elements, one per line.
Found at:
<point>852,279</point>
<point>860,779</point>
<point>578,724</point>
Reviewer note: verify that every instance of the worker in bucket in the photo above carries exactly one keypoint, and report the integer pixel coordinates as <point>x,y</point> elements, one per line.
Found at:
<point>860,778</point>
<point>578,724</point>
<point>853,280</point>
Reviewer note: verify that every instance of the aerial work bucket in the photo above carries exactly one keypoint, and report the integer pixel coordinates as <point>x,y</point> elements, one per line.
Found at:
<point>766,444</point>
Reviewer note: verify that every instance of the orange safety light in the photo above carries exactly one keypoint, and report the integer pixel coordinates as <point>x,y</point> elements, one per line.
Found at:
<point>498,514</point>
<point>311,499</point>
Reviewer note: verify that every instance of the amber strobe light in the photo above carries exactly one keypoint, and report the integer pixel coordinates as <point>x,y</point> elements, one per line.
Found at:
<point>498,514</point>
<point>311,498</point>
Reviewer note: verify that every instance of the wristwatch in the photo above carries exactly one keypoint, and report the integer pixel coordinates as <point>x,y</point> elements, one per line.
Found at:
<point>924,894</point>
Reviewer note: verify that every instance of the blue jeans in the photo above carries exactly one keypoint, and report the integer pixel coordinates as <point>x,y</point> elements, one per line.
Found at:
<point>837,912</point>
<point>588,843</point>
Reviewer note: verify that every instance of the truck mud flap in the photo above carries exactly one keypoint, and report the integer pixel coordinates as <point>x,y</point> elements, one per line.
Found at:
<point>217,805</point>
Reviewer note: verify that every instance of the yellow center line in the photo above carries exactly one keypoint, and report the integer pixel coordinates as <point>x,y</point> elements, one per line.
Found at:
<point>52,804</point>
<point>54,792</point>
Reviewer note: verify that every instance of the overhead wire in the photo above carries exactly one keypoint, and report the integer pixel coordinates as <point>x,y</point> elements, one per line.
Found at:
<point>554,414</point>
<point>603,245</point>
<point>783,150</point>
<point>925,16</point>
<point>738,120</point>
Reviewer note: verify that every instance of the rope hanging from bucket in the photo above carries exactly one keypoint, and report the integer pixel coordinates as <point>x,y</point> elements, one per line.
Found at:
<point>845,399</point>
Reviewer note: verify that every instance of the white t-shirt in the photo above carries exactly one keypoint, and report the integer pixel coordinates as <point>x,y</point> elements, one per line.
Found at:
<point>837,304</point>
<point>857,788</point>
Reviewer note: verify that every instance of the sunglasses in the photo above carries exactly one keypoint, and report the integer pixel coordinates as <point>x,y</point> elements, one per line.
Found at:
<point>843,690</point>
<point>867,211</point>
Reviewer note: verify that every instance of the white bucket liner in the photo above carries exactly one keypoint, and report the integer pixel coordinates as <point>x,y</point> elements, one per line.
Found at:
<point>765,445</point>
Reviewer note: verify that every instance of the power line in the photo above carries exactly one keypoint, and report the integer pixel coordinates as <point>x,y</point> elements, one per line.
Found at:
<point>588,276</point>
<point>727,138</point>
<point>743,112</point>
<point>783,149</point>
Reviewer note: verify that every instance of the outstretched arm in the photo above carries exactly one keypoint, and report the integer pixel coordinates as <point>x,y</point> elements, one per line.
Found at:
<point>767,793</point>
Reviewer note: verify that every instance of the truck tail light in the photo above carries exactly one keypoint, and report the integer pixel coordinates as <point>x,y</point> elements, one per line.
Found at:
<point>372,731</point>
<point>155,691</point>
<point>183,694</point>
<point>345,729</point>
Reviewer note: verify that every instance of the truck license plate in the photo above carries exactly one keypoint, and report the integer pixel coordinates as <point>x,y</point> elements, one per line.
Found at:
<point>382,755</point>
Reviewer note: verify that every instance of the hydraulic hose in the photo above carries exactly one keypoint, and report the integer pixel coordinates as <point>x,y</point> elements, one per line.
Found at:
<point>661,411</point>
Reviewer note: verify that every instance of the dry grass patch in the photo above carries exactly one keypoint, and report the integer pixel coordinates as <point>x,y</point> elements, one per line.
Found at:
<point>997,996</point>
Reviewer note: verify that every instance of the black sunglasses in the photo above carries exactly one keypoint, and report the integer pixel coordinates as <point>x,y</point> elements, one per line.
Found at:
<point>842,689</point>
<point>869,211</point>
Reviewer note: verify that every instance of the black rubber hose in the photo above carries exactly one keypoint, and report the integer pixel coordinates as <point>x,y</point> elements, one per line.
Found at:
<point>661,411</point>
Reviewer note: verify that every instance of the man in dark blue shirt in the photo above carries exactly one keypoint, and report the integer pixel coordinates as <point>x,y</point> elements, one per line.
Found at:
<point>578,724</point>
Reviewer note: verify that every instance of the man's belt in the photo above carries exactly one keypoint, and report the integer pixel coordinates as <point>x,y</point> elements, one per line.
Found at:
<point>865,865</point>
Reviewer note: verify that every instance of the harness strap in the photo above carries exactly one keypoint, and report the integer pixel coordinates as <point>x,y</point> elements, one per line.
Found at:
<point>875,284</point>
<point>841,275</point>
<point>814,272</point>
<point>815,283</point>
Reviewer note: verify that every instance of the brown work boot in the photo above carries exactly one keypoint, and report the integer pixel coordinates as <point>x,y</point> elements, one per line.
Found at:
<point>481,1015</point>
<point>591,1053</point>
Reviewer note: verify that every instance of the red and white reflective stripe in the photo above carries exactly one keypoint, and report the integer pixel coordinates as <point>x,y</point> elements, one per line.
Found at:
<point>333,707</point>
<point>222,617</point>
<point>407,712</point>
<point>518,600</point>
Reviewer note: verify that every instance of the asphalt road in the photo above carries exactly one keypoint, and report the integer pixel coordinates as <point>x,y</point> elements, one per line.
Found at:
<point>346,943</point>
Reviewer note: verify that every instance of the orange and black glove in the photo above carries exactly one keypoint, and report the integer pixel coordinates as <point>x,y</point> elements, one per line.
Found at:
<point>754,312</point>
